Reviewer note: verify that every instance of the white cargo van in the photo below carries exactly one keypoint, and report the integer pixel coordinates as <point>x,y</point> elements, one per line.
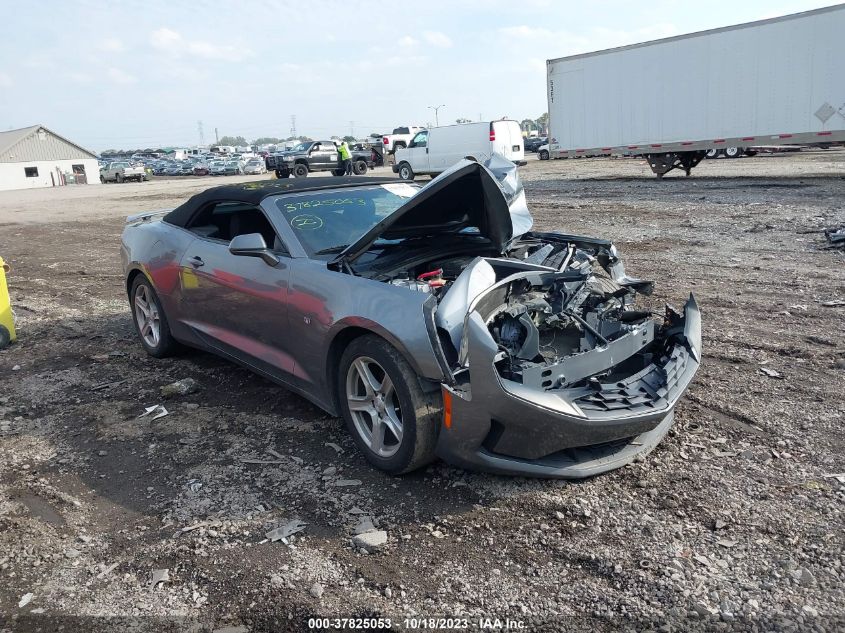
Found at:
<point>434,151</point>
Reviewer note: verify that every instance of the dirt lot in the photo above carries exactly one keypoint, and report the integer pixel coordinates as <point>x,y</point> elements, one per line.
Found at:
<point>733,522</point>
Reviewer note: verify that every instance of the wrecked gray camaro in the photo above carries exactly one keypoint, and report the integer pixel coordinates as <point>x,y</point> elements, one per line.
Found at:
<point>432,319</point>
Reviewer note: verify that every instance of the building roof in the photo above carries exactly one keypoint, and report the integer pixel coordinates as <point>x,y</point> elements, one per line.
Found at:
<point>11,139</point>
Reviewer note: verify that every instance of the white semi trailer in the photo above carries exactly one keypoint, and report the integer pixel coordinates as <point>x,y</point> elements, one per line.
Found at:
<point>773,82</point>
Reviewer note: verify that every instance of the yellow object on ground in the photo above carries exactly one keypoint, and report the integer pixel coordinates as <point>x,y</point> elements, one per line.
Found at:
<point>7,321</point>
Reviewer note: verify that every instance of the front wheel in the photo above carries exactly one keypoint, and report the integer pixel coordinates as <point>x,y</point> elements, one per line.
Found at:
<point>300,170</point>
<point>544,154</point>
<point>282,173</point>
<point>150,320</point>
<point>405,172</point>
<point>119,178</point>
<point>391,417</point>
<point>102,180</point>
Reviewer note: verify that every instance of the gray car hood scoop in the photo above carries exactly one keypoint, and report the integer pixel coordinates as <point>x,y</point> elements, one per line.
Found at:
<point>469,197</point>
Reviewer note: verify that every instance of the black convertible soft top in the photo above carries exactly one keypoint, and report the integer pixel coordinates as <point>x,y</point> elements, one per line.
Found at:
<point>255,192</point>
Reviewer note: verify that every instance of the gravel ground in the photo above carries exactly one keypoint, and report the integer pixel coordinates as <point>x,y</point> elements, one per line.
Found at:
<point>733,523</point>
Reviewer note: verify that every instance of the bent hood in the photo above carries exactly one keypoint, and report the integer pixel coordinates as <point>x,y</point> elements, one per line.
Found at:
<point>486,200</point>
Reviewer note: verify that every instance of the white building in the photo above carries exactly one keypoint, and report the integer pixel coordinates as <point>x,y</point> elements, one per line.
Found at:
<point>36,157</point>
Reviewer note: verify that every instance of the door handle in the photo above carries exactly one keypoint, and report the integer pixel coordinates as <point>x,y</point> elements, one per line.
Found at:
<point>196,261</point>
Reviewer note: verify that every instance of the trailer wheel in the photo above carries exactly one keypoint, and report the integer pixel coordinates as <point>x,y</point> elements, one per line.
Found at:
<point>359,167</point>
<point>300,170</point>
<point>405,172</point>
<point>544,154</point>
<point>733,152</point>
<point>712,153</point>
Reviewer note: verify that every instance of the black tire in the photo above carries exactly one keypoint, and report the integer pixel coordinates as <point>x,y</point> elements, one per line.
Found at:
<point>119,178</point>
<point>338,172</point>
<point>167,345</point>
<point>102,180</point>
<point>711,153</point>
<point>405,172</point>
<point>544,154</point>
<point>282,173</point>
<point>359,167</point>
<point>733,152</point>
<point>300,170</point>
<point>420,408</point>
<point>5,337</point>
<point>750,152</point>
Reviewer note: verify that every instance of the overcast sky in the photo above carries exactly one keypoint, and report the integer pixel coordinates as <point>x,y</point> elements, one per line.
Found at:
<point>120,74</point>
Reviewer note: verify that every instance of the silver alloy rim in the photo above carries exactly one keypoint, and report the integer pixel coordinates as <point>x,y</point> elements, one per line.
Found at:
<point>147,316</point>
<point>374,405</point>
<point>405,173</point>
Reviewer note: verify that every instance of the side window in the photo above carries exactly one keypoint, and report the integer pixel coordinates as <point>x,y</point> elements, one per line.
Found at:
<point>401,130</point>
<point>224,220</point>
<point>30,172</point>
<point>420,140</point>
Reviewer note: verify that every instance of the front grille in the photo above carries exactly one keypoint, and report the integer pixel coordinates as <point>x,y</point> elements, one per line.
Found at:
<point>650,389</point>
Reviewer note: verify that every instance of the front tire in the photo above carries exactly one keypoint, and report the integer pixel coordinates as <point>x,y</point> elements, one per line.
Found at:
<point>150,321</point>
<point>405,172</point>
<point>300,170</point>
<point>119,178</point>
<point>544,154</point>
<point>391,417</point>
<point>102,180</point>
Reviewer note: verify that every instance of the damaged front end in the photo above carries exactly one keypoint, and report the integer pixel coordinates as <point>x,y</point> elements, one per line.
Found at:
<point>556,373</point>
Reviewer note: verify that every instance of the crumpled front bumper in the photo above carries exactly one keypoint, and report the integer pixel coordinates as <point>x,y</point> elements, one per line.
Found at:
<point>500,426</point>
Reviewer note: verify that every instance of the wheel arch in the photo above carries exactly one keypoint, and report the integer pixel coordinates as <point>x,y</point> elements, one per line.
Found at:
<point>344,336</point>
<point>132,275</point>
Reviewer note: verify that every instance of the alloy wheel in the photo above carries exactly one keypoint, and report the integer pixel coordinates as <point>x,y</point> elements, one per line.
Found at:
<point>374,405</point>
<point>147,315</point>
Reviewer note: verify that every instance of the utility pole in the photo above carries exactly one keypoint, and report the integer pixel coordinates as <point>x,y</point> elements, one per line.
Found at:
<point>352,129</point>
<point>293,125</point>
<point>436,108</point>
<point>216,137</point>
<point>201,135</point>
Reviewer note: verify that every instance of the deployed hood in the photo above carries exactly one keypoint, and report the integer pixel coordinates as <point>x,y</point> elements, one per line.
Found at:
<point>487,200</point>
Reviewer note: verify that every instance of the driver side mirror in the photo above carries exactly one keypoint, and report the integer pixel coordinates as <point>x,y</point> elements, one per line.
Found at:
<point>252,245</point>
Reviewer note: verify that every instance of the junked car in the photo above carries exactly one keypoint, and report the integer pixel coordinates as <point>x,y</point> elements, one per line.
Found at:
<point>433,319</point>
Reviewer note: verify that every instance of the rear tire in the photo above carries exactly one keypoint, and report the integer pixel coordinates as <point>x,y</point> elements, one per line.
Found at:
<point>359,167</point>
<point>405,172</point>
<point>102,180</point>
<point>150,321</point>
<point>395,421</point>
<point>337,172</point>
<point>733,152</point>
<point>712,153</point>
<point>300,170</point>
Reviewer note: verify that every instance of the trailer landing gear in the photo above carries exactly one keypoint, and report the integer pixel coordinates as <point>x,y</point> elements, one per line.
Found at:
<point>662,164</point>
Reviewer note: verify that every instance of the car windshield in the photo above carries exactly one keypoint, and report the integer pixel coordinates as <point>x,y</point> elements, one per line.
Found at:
<point>326,222</point>
<point>300,148</point>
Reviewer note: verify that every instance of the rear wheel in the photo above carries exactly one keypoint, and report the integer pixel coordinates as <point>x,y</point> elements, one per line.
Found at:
<point>392,419</point>
<point>733,152</point>
<point>405,172</point>
<point>102,180</point>
<point>150,320</point>
<point>300,170</point>
<point>337,172</point>
<point>712,153</point>
<point>359,167</point>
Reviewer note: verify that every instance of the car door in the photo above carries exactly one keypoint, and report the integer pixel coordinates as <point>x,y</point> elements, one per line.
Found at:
<point>416,153</point>
<point>323,156</point>
<point>237,304</point>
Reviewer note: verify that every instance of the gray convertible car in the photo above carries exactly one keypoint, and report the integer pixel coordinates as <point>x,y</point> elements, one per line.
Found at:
<point>432,319</point>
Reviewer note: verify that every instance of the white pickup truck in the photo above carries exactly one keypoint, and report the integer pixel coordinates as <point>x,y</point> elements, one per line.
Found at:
<point>118,171</point>
<point>400,138</point>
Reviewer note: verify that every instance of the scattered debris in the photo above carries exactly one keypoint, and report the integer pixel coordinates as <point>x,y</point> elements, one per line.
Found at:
<point>724,542</point>
<point>836,236</point>
<point>834,303</point>
<point>840,477</point>
<point>158,409</point>
<point>107,571</point>
<point>246,460</point>
<point>771,373</point>
<point>27,598</point>
<point>330,471</point>
<point>232,629</point>
<point>364,525</point>
<point>159,576</point>
<point>344,483</point>
<point>180,388</point>
<point>281,533</point>
<point>316,590</point>
<point>336,447</point>
<point>194,485</point>
<point>370,541</point>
